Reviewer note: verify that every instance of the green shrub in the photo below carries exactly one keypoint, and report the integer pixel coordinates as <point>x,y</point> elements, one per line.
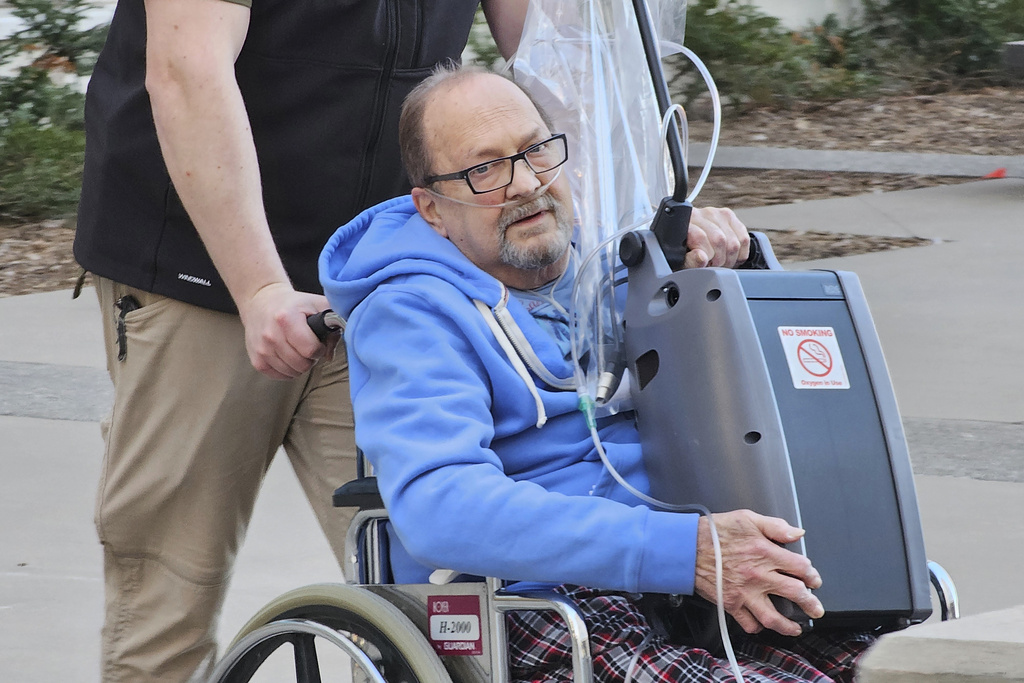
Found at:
<point>483,51</point>
<point>894,46</point>
<point>40,169</point>
<point>42,139</point>
<point>53,27</point>
<point>756,61</point>
<point>32,95</point>
<point>936,44</point>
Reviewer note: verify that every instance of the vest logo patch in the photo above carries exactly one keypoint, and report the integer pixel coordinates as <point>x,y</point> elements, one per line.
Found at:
<point>194,280</point>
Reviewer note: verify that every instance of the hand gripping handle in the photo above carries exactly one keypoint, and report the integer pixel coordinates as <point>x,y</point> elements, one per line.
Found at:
<point>325,323</point>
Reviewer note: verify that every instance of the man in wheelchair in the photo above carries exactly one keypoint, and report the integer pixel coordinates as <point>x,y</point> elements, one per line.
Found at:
<point>458,339</point>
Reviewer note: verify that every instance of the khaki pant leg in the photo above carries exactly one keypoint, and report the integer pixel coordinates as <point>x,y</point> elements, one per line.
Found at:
<point>191,434</point>
<point>321,446</point>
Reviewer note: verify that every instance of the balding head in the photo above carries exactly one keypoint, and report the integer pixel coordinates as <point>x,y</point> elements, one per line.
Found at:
<point>412,135</point>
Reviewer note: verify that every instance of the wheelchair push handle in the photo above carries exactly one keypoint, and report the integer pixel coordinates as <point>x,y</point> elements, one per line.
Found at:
<point>325,323</point>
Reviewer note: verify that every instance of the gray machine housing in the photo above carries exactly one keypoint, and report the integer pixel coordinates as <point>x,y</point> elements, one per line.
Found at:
<point>724,426</point>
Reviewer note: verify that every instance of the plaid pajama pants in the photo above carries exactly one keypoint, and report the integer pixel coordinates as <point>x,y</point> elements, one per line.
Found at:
<point>540,651</point>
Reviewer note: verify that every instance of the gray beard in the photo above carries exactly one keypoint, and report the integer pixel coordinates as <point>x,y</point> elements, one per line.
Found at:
<point>536,258</point>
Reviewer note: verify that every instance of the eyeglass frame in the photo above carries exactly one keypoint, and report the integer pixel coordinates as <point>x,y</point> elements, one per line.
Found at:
<point>513,158</point>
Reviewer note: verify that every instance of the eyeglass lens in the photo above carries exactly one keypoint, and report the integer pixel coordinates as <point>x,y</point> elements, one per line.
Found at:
<point>494,175</point>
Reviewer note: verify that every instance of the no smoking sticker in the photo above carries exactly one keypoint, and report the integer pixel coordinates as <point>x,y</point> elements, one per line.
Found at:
<point>814,358</point>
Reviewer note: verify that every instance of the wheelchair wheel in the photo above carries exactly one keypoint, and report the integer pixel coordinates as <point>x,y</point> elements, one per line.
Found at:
<point>332,625</point>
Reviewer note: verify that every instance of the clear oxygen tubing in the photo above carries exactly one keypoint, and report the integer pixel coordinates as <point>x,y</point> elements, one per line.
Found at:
<point>587,406</point>
<point>580,373</point>
<point>684,125</point>
<point>636,657</point>
<point>716,106</point>
<point>587,403</point>
<point>666,122</point>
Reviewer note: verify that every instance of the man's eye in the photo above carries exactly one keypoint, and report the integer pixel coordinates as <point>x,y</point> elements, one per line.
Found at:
<point>482,171</point>
<point>541,152</point>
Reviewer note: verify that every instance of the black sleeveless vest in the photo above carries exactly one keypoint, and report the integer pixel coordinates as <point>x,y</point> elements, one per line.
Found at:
<point>323,83</point>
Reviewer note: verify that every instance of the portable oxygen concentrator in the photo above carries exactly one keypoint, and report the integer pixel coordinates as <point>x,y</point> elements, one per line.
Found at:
<point>760,389</point>
<point>767,390</point>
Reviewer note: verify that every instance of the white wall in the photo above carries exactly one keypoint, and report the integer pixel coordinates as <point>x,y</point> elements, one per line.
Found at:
<point>798,13</point>
<point>99,14</point>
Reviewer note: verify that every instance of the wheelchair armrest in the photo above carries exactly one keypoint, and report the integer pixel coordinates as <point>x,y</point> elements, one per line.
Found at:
<point>949,600</point>
<point>359,493</point>
<point>506,600</point>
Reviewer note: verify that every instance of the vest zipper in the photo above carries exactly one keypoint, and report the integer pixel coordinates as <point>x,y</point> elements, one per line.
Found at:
<point>380,100</point>
<point>420,29</point>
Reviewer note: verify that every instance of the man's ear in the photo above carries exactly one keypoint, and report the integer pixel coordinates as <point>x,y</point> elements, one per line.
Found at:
<point>426,205</point>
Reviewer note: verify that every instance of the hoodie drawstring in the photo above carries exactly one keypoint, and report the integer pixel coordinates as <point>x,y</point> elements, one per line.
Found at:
<point>513,357</point>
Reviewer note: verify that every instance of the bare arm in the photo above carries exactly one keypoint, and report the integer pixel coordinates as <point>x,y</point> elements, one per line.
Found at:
<point>208,148</point>
<point>505,19</point>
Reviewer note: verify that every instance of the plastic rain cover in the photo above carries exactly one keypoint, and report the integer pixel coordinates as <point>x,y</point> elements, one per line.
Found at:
<point>584,62</point>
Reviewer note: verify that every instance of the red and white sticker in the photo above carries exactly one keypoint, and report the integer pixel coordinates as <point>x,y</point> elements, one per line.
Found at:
<point>455,624</point>
<point>814,358</point>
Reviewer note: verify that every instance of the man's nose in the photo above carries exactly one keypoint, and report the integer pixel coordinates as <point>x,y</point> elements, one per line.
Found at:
<point>524,180</point>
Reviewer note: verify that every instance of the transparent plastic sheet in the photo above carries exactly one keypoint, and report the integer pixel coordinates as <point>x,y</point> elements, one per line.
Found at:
<point>584,62</point>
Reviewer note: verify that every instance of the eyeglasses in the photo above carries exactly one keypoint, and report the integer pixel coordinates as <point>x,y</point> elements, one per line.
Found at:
<point>495,174</point>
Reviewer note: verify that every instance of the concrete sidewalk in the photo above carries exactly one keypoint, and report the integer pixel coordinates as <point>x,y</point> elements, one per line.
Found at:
<point>53,392</point>
<point>950,320</point>
<point>949,316</point>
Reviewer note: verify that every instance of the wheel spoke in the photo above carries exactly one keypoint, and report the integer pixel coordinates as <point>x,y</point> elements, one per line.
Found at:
<point>307,666</point>
<point>353,631</point>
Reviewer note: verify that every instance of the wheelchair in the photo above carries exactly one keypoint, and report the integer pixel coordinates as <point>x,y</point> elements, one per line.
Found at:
<point>389,633</point>
<point>374,631</point>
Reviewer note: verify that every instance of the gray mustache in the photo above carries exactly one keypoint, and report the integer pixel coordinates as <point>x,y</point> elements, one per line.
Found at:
<point>510,215</point>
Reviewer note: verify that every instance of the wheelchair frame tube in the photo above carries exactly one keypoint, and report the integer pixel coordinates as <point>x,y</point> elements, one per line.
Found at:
<point>511,601</point>
<point>368,572</point>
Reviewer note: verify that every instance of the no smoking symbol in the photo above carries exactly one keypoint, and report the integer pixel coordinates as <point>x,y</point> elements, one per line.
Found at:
<point>814,357</point>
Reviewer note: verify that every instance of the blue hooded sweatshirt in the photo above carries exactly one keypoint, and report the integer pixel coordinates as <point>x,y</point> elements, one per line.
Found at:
<point>470,481</point>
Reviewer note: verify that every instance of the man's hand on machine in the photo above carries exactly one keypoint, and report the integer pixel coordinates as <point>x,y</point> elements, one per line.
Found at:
<point>277,337</point>
<point>754,567</point>
<point>716,237</point>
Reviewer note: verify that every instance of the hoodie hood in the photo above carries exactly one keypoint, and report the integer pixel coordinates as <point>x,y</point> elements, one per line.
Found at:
<point>391,244</point>
<point>391,240</point>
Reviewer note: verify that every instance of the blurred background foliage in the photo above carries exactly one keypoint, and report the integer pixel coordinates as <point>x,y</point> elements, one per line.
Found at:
<point>893,46</point>
<point>42,139</point>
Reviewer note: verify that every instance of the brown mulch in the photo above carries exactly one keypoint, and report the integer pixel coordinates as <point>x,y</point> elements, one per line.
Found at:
<point>746,188</point>
<point>799,245</point>
<point>984,122</point>
<point>36,257</point>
